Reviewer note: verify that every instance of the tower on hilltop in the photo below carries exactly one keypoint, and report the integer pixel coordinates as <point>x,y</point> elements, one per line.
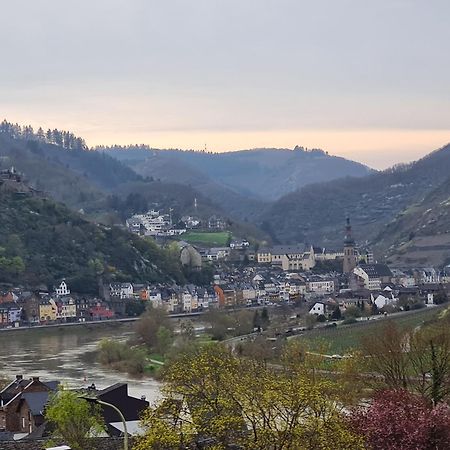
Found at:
<point>349,249</point>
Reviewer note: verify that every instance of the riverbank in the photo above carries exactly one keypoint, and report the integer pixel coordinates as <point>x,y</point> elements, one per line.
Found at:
<point>91,323</point>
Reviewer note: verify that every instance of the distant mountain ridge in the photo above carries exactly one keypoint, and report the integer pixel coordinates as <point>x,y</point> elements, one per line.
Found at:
<point>316,213</point>
<point>261,174</point>
<point>402,212</point>
<point>105,189</point>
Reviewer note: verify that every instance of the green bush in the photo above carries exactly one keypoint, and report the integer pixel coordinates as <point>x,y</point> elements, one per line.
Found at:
<point>349,321</point>
<point>122,357</point>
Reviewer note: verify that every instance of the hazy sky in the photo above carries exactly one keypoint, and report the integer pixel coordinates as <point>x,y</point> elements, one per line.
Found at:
<point>369,80</point>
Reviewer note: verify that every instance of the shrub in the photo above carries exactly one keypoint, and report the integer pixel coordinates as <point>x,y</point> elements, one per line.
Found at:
<point>399,419</point>
<point>349,321</point>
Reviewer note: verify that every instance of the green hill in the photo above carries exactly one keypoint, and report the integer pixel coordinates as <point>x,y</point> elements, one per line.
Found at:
<point>42,241</point>
<point>316,213</point>
<point>420,234</point>
<point>242,182</point>
<point>107,190</point>
<point>264,174</point>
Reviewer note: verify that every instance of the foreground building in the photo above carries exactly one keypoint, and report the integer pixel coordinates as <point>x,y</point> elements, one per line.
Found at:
<point>22,404</point>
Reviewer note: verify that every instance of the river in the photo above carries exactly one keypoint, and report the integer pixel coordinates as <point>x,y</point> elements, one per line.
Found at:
<point>65,354</point>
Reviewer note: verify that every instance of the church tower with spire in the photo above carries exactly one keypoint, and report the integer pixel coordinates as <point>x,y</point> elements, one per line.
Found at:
<point>349,249</point>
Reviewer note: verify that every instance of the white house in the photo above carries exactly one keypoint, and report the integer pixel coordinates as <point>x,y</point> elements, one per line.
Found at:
<point>239,245</point>
<point>430,275</point>
<point>404,279</point>
<point>217,253</point>
<point>325,254</point>
<point>62,289</point>
<point>121,290</point>
<point>321,285</point>
<point>189,298</point>
<point>154,297</point>
<point>318,309</point>
<point>66,309</point>
<point>384,298</point>
<point>373,275</point>
<point>153,223</point>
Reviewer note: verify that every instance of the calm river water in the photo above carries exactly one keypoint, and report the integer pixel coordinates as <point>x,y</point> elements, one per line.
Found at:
<point>62,353</point>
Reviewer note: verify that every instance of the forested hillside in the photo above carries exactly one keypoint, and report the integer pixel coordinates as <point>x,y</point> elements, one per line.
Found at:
<point>242,181</point>
<point>316,213</point>
<point>420,234</point>
<point>42,241</point>
<point>106,186</point>
<point>59,164</point>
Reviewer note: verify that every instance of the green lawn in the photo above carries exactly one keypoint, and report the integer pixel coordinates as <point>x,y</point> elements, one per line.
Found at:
<point>343,338</point>
<point>219,239</point>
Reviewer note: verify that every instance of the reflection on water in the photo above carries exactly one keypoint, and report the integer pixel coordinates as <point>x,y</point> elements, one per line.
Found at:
<point>60,353</point>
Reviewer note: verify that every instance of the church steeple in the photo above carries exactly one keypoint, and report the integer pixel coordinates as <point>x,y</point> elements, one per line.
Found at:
<point>349,249</point>
<point>348,234</point>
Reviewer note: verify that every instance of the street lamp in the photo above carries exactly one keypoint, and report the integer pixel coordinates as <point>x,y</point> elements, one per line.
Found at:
<point>101,402</point>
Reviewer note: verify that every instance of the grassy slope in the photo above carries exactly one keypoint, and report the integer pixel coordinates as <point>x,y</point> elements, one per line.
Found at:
<point>207,238</point>
<point>342,339</point>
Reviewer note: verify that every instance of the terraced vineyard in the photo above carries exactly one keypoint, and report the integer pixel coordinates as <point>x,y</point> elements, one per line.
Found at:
<point>343,338</point>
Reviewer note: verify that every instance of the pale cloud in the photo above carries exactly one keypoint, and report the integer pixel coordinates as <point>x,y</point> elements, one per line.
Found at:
<point>368,80</point>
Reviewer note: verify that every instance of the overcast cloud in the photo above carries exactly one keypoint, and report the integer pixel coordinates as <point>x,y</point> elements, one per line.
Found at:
<point>233,73</point>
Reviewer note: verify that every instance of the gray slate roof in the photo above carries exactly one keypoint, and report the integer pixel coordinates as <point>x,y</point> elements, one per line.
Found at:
<point>286,249</point>
<point>36,401</point>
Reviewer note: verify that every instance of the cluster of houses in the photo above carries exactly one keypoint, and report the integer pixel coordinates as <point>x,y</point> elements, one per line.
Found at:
<point>19,307</point>
<point>280,274</point>
<point>375,287</point>
<point>367,285</point>
<point>302,257</point>
<point>157,224</point>
<point>153,223</point>
<point>241,287</point>
<point>23,402</point>
<point>174,298</point>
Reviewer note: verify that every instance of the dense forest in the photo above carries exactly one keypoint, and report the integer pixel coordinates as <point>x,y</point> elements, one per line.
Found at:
<point>316,213</point>
<point>64,139</point>
<point>42,241</point>
<point>105,189</point>
<point>252,177</point>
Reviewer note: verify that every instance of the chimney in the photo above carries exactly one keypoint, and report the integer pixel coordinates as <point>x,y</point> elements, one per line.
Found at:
<point>35,378</point>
